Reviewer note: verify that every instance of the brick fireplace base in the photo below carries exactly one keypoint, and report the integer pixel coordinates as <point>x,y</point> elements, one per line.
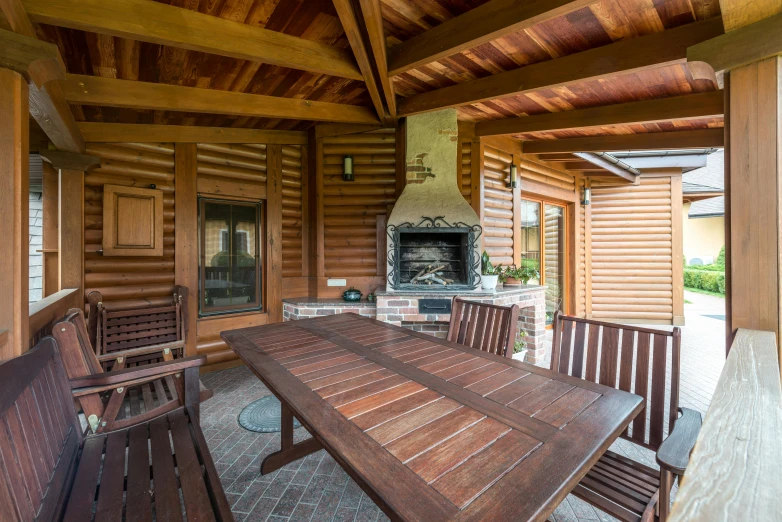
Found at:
<point>401,309</point>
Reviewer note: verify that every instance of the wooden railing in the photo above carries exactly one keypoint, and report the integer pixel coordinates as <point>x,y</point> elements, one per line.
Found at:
<point>735,472</point>
<point>45,312</point>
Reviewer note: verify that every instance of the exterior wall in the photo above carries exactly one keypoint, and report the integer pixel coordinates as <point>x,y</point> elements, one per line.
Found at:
<point>702,236</point>
<point>498,229</point>
<point>36,243</point>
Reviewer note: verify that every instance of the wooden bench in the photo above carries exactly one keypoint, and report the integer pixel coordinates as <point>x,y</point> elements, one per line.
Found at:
<point>640,361</point>
<point>114,329</point>
<point>50,472</point>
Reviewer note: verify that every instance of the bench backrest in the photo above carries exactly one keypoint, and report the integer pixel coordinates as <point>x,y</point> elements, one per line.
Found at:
<point>76,351</point>
<point>634,359</point>
<point>40,435</point>
<point>487,327</point>
<point>122,329</point>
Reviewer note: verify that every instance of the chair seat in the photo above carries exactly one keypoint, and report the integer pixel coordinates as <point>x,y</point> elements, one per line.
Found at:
<point>126,483</point>
<point>621,487</point>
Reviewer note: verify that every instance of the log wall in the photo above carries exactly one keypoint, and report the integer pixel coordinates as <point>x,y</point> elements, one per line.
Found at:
<point>348,212</point>
<point>497,206</point>
<point>631,252</point>
<point>129,281</point>
<point>581,283</point>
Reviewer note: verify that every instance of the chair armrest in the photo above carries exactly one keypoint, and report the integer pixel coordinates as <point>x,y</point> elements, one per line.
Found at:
<point>674,453</point>
<point>144,350</point>
<point>112,379</point>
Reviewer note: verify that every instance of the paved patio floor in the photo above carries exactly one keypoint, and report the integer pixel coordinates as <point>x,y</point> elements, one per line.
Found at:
<point>317,489</point>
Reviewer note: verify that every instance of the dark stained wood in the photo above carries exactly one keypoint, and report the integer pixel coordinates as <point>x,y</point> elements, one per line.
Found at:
<point>623,487</point>
<point>456,451</point>
<point>486,327</point>
<point>676,140</point>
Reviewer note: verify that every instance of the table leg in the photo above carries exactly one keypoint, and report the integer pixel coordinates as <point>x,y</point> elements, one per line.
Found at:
<point>288,450</point>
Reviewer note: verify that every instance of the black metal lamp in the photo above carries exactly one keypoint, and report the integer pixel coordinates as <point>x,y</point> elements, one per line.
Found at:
<point>587,196</point>
<point>347,168</point>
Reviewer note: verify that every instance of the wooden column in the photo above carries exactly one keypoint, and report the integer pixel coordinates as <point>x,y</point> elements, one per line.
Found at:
<point>51,235</point>
<point>477,177</point>
<point>14,225</point>
<point>70,245</point>
<point>677,251</point>
<point>274,233</point>
<point>186,237</point>
<point>517,214</point>
<point>755,208</point>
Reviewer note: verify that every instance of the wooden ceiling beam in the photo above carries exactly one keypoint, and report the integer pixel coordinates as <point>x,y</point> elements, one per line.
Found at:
<point>622,57</point>
<point>740,13</point>
<point>373,21</point>
<point>110,92</point>
<point>350,24</point>
<point>700,105</point>
<point>163,24</point>
<point>477,26</point>
<point>136,133</point>
<point>47,103</point>
<point>679,140</point>
<point>751,43</point>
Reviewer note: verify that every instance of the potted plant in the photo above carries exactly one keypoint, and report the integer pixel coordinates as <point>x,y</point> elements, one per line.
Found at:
<point>490,274</point>
<point>520,347</point>
<point>517,276</point>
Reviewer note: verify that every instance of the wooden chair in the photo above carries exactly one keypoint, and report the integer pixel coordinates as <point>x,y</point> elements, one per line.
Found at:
<point>487,327</point>
<point>126,328</point>
<point>640,361</point>
<point>50,472</point>
<point>118,406</point>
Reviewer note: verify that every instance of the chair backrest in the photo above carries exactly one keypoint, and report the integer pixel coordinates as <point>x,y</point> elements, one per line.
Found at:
<point>487,327</point>
<point>629,358</point>
<point>77,353</point>
<point>40,435</point>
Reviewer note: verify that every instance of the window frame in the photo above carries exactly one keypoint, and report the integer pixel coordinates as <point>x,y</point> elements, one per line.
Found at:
<point>257,305</point>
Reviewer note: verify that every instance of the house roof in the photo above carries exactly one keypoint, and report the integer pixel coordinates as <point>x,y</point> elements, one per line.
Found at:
<point>710,178</point>
<point>711,207</point>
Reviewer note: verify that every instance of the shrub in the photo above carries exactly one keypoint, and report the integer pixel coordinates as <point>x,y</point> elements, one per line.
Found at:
<point>710,280</point>
<point>721,259</point>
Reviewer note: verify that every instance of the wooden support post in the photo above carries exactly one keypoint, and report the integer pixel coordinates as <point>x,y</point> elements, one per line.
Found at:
<point>273,304</point>
<point>755,152</point>
<point>71,167</point>
<point>51,213</point>
<point>516,215</point>
<point>315,165</point>
<point>320,229</point>
<point>588,255</point>
<point>477,176</point>
<point>186,237</point>
<point>401,157</point>
<point>14,226</point>
<point>677,250</point>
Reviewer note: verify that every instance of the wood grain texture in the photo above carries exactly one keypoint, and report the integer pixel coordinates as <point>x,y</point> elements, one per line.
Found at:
<point>14,166</point>
<point>738,14</point>
<point>132,221</point>
<point>738,443</point>
<point>186,236</point>
<point>274,237</point>
<point>677,140</point>
<point>186,29</point>
<point>96,132</point>
<point>374,23</point>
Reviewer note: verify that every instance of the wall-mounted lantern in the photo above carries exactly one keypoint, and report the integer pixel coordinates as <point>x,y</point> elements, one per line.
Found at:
<point>347,168</point>
<point>587,196</point>
<point>514,174</point>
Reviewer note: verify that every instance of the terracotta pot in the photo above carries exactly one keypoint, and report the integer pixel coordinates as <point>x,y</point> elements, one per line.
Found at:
<point>512,281</point>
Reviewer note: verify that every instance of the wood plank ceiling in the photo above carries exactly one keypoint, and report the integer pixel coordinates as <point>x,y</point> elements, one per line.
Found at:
<point>598,24</point>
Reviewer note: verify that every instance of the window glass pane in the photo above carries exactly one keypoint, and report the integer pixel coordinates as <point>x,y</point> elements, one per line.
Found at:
<point>530,235</point>
<point>554,262</point>
<point>230,257</point>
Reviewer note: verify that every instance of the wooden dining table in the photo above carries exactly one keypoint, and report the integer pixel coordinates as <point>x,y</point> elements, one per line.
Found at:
<point>432,430</point>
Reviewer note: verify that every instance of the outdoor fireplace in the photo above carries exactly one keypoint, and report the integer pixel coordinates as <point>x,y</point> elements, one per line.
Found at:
<point>433,255</point>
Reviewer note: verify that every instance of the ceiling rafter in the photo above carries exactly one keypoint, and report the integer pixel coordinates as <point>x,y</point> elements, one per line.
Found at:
<point>622,57</point>
<point>477,26</point>
<point>138,132</point>
<point>676,140</point>
<point>163,24</point>
<point>373,21</point>
<point>110,92</point>
<point>699,105</point>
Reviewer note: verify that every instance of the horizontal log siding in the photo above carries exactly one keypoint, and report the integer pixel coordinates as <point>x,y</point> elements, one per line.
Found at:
<point>631,252</point>
<point>129,281</point>
<point>229,171</point>
<point>350,209</point>
<point>498,206</point>
<point>465,176</point>
<point>581,258</point>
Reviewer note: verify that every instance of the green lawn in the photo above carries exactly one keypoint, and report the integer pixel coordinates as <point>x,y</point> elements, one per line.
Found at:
<point>706,292</point>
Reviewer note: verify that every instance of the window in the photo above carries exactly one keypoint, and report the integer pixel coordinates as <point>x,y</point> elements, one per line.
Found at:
<point>230,256</point>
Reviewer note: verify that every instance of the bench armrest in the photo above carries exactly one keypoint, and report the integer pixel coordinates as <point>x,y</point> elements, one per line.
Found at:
<point>145,350</point>
<point>119,377</point>
<point>674,453</point>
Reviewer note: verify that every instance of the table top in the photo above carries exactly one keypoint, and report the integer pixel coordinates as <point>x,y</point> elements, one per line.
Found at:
<point>431,429</point>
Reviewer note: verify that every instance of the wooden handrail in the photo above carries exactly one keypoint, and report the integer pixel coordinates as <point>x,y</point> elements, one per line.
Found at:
<point>734,471</point>
<point>49,309</point>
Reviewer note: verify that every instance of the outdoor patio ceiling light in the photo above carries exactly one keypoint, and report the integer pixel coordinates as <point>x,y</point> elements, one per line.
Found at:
<point>587,196</point>
<point>514,174</point>
<point>347,168</point>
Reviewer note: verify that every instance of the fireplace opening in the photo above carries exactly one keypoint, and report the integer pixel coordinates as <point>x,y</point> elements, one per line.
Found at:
<point>441,254</point>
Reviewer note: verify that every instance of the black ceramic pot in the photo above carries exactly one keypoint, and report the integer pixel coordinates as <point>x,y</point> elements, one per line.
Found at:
<point>351,295</point>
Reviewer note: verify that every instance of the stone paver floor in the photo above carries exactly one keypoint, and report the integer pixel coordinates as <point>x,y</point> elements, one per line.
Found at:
<point>317,489</point>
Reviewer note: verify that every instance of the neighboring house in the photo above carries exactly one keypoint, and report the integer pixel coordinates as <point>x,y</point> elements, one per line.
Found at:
<point>703,211</point>
<point>36,228</point>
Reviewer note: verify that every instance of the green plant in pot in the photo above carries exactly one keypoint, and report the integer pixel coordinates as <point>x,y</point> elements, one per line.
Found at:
<point>520,346</point>
<point>517,276</point>
<point>490,274</point>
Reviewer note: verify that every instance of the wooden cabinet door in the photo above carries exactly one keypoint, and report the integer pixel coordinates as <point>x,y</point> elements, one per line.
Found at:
<point>132,221</point>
